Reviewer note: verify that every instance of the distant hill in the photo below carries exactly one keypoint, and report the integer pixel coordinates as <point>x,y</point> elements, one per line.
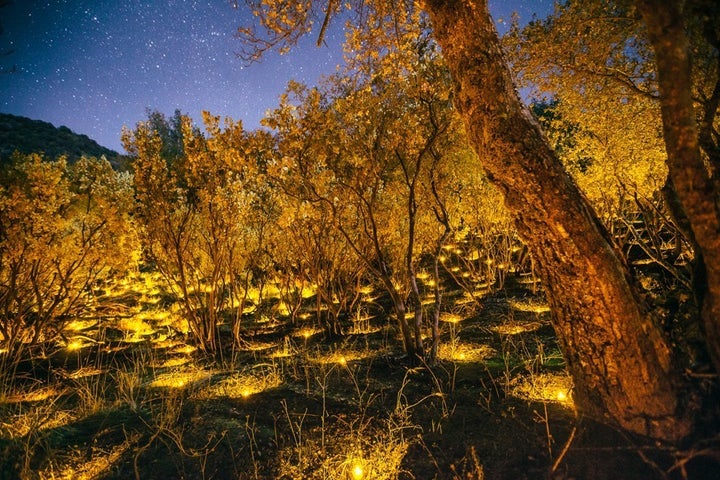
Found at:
<point>35,136</point>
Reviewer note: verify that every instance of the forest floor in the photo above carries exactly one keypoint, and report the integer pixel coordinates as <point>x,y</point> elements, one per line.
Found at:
<point>125,396</point>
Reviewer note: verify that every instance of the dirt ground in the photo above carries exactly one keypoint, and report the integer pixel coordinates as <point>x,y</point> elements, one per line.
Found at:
<point>294,405</point>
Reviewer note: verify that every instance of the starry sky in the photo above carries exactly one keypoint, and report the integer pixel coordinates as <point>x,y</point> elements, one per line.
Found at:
<point>96,65</point>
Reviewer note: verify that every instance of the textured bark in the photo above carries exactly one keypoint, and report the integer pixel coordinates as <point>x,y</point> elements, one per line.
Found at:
<point>618,357</point>
<point>688,171</point>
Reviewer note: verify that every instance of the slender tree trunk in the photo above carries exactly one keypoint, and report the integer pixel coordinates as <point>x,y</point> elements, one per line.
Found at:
<point>687,170</point>
<point>618,357</point>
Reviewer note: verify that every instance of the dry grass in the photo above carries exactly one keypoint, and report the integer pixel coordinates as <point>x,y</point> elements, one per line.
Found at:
<point>528,305</point>
<point>464,352</point>
<point>544,387</point>
<point>341,356</point>
<point>244,384</point>
<point>515,328</point>
<point>180,379</point>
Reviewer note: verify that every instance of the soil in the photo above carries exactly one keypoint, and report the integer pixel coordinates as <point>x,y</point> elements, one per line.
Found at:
<point>316,402</point>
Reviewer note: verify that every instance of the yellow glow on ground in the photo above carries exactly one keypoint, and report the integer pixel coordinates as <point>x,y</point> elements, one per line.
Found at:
<point>179,379</point>
<point>96,467</point>
<point>184,349</point>
<point>451,318</point>
<point>515,328</point>
<point>464,352</point>
<point>37,395</point>
<point>25,423</point>
<point>244,384</point>
<point>308,291</point>
<point>85,372</point>
<point>282,309</point>
<point>528,305</point>
<point>174,362</point>
<point>357,471</point>
<point>259,346</point>
<point>545,387</point>
<point>80,325</point>
<point>342,357</point>
<point>135,325</point>
<point>133,338</point>
<point>76,344</point>
<point>161,318</point>
<point>307,332</point>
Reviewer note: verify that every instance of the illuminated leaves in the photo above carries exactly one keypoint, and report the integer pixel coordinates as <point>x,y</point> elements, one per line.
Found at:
<point>62,229</point>
<point>594,69</point>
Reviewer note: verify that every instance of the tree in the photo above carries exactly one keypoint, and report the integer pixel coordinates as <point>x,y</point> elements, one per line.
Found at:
<point>372,153</point>
<point>620,359</point>
<point>63,230</point>
<point>696,188</point>
<point>204,211</point>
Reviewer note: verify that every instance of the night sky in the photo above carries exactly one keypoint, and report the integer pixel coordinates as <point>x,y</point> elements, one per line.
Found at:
<point>96,65</point>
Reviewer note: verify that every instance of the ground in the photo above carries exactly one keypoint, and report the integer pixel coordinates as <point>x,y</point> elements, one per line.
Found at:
<point>126,395</point>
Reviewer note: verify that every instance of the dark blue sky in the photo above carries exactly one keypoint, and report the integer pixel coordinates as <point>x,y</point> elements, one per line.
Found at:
<point>96,65</point>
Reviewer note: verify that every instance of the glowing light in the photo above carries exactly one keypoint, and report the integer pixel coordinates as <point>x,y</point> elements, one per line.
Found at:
<point>529,305</point>
<point>243,384</point>
<point>451,318</point>
<point>33,396</point>
<point>515,328</point>
<point>75,345</point>
<point>79,325</point>
<point>464,352</point>
<point>307,332</point>
<point>179,379</point>
<point>546,387</point>
<point>283,309</point>
<point>357,471</point>
<point>185,349</point>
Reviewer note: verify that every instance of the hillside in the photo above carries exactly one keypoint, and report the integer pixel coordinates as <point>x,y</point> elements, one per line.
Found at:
<point>34,136</point>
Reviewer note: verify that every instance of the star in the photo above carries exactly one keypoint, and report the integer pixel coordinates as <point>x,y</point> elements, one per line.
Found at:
<point>96,66</point>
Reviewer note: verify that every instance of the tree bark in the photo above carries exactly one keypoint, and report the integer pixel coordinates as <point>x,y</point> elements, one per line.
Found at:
<point>689,174</point>
<point>617,355</point>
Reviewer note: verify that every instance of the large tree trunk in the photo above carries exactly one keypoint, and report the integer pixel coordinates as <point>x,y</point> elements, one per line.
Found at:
<point>617,355</point>
<point>689,174</point>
